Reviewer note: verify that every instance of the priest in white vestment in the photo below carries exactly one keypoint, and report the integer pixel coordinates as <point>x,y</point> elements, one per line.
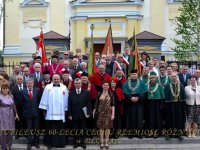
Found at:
<point>54,102</point>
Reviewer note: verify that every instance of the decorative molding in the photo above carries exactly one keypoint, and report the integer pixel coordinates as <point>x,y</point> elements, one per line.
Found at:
<point>128,14</point>
<point>34,17</point>
<point>34,3</point>
<point>78,3</point>
<point>12,50</point>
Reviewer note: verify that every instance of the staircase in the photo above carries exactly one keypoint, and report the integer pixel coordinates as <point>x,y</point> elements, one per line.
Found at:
<point>124,143</point>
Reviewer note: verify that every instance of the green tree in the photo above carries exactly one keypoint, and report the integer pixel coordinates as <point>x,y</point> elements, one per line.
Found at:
<point>187,30</point>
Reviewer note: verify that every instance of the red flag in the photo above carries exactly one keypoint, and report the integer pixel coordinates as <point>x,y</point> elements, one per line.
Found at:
<point>108,47</point>
<point>41,51</point>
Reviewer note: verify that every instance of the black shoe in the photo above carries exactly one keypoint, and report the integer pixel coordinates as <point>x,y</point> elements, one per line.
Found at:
<point>140,137</point>
<point>75,146</point>
<point>130,137</point>
<point>37,145</point>
<point>180,138</point>
<point>49,147</point>
<point>83,146</point>
<point>167,138</point>
<point>28,147</point>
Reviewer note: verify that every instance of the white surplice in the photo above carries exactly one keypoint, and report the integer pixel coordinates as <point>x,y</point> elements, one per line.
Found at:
<point>55,101</point>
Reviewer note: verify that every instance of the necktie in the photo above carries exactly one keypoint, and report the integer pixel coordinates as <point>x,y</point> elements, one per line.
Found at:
<point>78,92</point>
<point>30,94</point>
<point>184,77</point>
<point>20,87</point>
<point>37,76</point>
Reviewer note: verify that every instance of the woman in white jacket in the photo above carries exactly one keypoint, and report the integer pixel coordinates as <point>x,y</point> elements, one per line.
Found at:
<point>193,107</point>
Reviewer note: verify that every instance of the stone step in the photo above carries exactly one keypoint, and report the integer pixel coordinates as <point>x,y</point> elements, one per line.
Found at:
<point>124,147</point>
<point>125,141</point>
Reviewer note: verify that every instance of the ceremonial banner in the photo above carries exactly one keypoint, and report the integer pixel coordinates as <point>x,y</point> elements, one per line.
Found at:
<point>40,50</point>
<point>108,47</point>
<point>134,61</point>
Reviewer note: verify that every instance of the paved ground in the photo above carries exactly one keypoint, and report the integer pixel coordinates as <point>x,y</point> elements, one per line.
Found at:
<point>130,144</point>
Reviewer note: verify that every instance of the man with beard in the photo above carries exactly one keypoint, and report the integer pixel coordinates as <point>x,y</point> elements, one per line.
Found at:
<point>134,90</point>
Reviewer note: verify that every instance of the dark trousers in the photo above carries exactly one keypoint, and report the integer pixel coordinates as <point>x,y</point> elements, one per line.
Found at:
<point>32,123</point>
<point>54,138</point>
<point>80,126</point>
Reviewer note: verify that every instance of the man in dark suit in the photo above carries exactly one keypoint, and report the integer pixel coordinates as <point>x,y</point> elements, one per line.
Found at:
<point>26,74</point>
<point>184,76</point>
<point>126,55</point>
<point>79,108</point>
<point>31,99</point>
<point>109,64</point>
<point>37,76</point>
<point>75,66</point>
<point>17,96</point>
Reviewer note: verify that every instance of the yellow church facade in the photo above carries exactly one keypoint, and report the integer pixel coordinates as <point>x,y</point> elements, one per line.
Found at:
<point>73,19</point>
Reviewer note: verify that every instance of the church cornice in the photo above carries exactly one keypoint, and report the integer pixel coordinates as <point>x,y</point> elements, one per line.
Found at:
<point>79,3</point>
<point>127,14</point>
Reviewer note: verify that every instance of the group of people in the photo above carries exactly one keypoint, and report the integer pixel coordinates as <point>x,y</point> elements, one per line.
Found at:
<point>60,95</point>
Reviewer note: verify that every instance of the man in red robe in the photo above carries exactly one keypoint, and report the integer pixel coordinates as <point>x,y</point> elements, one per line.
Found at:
<point>121,78</point>
<point>98,78</point>
<point>67,80</point>
<point>37,60</point>
<point>55,67</point>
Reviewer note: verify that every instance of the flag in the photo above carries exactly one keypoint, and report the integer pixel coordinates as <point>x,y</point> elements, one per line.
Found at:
<point>134,61</point>
<point>40,50</point>
<point>108,47</point>
<point>91,62</point>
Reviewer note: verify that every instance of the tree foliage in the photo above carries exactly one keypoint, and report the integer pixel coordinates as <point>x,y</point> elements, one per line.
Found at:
<point>187,30</point>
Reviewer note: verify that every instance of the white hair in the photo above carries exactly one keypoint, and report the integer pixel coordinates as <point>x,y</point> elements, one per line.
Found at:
<point>37,65</point>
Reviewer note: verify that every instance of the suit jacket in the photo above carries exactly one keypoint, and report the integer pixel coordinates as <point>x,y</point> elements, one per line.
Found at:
<point>31,106</point>
<point>17,95</point>
<point>33,75</point>
<point>24,81</point>
<point>109,68</point>
<point>76,69</point>
<point>181,79</point>
<point>76,103</point>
